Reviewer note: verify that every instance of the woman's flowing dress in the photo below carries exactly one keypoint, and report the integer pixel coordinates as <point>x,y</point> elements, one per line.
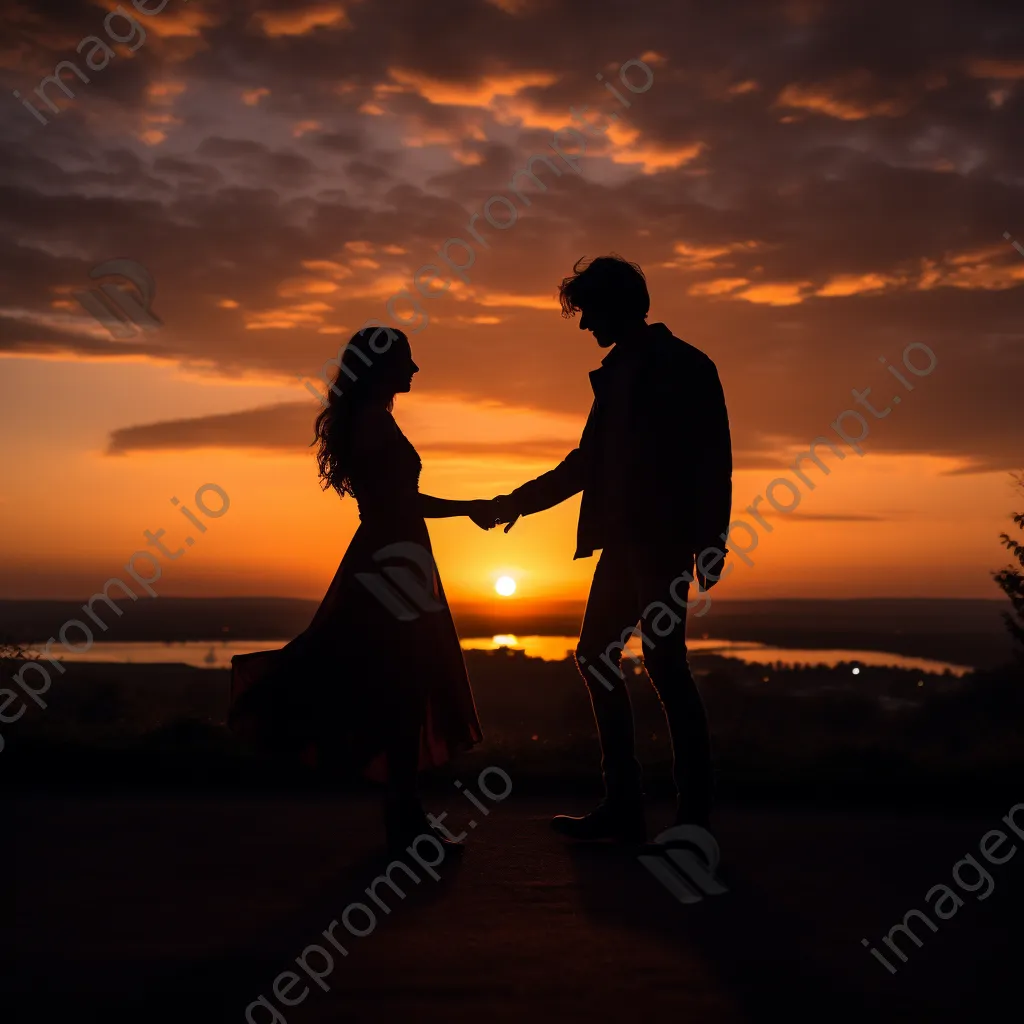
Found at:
<point>382,644</point>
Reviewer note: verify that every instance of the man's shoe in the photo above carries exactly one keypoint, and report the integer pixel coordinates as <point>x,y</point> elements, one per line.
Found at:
<point>406,821</point>
<point>623,822</point>
<point>687,814</point>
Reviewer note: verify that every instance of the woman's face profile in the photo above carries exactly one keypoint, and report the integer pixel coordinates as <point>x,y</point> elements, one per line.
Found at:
<point>403,368</point>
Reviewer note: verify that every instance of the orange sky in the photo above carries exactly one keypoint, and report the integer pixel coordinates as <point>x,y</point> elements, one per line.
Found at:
<point>801,211</point>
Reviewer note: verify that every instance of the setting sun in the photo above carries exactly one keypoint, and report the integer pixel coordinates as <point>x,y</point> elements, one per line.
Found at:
<point>506,586</point>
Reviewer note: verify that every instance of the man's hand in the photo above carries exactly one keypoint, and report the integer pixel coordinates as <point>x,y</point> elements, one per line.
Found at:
<point>507,513</point>
<point>484,514</point>
<point>709,567</point>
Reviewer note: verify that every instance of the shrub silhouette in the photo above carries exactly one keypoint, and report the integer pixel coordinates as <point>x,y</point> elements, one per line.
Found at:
<point>1011,579</point>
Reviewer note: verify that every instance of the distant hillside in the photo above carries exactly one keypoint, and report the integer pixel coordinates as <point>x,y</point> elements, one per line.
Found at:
<point>164,618</point>
<point>967,632</point>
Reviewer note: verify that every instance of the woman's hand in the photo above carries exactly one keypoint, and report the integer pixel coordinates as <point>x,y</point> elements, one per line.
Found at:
<point>484,514</point>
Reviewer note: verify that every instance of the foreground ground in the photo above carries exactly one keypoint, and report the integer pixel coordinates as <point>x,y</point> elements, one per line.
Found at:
<point>151,908</point>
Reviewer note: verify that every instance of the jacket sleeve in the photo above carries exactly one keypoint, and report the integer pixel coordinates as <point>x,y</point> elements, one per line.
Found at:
<point>714,472</point>
<point>565,480</point>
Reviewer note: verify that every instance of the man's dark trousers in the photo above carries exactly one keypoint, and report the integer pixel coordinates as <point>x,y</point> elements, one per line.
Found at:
<point>635,583</point>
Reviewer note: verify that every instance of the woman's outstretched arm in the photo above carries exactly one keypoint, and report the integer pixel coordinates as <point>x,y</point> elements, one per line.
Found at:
<point>481,512</point>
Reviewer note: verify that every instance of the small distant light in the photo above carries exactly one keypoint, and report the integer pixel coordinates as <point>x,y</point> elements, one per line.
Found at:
<point>920,682</point>
<point>856,671</point>
<point>534,737</point>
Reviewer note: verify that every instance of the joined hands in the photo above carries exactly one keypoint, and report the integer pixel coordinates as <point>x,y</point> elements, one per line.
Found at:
<point>496,512</point>
<point>507,512</point>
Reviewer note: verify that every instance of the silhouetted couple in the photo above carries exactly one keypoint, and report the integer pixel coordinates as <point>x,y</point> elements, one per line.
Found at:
<point>378,682</point>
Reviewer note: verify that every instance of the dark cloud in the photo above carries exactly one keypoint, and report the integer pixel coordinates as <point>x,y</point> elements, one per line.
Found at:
<point>286,426</point>
<point>825,517</point>
<point>343,142</point>
<point>230,149</point>
<point>289,427</point>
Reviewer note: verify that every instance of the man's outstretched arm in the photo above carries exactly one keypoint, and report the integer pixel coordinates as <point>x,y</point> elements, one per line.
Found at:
<point>546,491</point>
<point>567,478</point>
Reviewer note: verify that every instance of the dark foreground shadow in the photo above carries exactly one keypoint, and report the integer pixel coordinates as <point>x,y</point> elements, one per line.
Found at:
<point>756,950</point>
<point>785,941</point>
<point>222,987</point>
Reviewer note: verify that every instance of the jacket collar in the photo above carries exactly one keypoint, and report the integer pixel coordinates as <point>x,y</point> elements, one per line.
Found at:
<point>656,335</point>
<point>599,378</point>
<point>615,356</point>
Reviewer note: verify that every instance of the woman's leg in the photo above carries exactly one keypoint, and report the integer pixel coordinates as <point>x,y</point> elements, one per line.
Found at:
<point>404,816</point>
<point>403,752</point>
<point>403,749</point>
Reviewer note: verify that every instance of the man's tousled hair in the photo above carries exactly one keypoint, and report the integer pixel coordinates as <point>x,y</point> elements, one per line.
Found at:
<point>609,283</point>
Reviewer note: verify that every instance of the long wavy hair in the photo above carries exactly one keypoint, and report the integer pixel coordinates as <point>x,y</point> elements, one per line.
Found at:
<point>366,364</point>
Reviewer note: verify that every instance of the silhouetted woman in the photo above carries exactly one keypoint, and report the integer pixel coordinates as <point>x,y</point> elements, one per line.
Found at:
<point>377,683</point>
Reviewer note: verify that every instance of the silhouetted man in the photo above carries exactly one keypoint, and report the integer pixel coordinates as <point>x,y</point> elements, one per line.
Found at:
<point>655,467</point>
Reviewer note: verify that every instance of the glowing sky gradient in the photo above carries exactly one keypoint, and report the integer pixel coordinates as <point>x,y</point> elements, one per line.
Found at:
<point>809,186</point>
